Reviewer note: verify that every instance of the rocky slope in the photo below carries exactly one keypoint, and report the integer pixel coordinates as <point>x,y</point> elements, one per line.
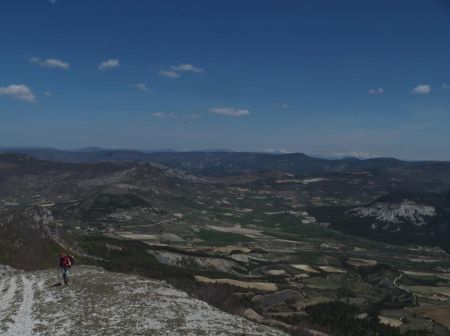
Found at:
<point>406,211</point>
<point>399,217</point>
<point>103,303</point>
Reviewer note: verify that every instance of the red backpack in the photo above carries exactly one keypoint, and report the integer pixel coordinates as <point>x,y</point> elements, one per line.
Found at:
<point>67,261</point>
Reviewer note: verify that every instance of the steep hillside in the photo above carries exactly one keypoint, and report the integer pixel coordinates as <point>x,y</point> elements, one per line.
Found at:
<point>28,237</point>
<point>98,302</point>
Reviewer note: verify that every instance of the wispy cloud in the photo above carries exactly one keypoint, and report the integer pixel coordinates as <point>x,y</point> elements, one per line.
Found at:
<point>50,63</point>
<point>18,91</point>
<point>109,64</point>
<point>358,155</point>
<point>176,70</point>
<point>422,89</point>
<point>277,151</point>
<point>194,116</point>
<point>191,118</point>
<point>230,112</point>
<point>164,115</point>
<point>48,93</point>
<point>282,105</point>
<point>376,91</point>
<point>140,86</point>
<point>169,73</point>
<point>446,86</point>
<point>183,67</point>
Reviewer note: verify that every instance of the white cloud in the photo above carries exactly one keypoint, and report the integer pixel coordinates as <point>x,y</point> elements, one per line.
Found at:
<point>422,89</point>
<point>109,64</point>
<point>50,63</point>
<point>446,86</point>
<point>176,70</point>
<point>163,115</point>
<point>376,91</point>
<point>230,112</point>
<point>140,86</point>
<point>169,74</point>
<point>48,93</point>
<point>18,91</point>
<point>186,68</point>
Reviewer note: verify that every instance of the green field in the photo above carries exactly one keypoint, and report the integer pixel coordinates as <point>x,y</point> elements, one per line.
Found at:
<point>216,238</point>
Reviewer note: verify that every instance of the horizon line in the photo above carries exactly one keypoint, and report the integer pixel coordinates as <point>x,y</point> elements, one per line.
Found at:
<point>335,156</point>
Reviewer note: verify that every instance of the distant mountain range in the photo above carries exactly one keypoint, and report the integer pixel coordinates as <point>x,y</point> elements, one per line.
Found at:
<point>222,163</point>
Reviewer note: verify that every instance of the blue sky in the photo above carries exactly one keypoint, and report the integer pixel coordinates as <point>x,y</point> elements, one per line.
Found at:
<point>370,77</point>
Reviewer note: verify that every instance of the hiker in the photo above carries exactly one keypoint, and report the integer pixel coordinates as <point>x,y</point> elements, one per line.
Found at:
<point>65,262</point>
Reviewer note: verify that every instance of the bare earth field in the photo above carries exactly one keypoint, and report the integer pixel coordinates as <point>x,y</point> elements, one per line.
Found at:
<point>440,314</point>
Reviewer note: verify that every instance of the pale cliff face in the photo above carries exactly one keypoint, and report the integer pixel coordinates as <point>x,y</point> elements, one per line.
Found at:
<point>406,211</point>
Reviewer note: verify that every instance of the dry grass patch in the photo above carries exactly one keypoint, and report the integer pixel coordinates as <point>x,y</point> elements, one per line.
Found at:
<point>362,262</point>
<point>306,268</point>
<point>330,269</point>
<point>390,321</point>
<point>238,229</point>
<point>262,286</point>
